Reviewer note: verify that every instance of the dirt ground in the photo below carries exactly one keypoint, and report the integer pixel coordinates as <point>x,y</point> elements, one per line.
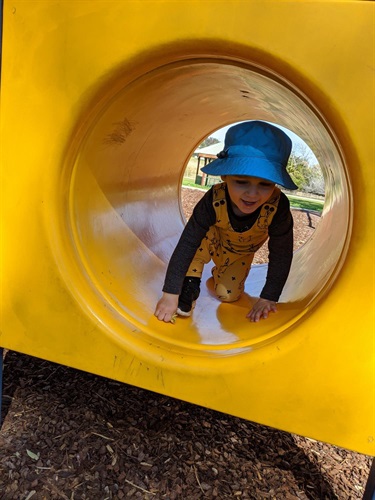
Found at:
<point>72,435</point>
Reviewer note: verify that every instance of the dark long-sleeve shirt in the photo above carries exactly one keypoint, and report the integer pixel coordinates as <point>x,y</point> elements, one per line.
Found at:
<point>280,244</point>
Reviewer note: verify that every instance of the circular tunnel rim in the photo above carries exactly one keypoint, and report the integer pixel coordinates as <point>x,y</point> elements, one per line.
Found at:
<point>182,346</point>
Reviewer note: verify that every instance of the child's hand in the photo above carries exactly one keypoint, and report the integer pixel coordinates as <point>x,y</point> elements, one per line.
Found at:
<point>261,309</point>
<point>166,307</point>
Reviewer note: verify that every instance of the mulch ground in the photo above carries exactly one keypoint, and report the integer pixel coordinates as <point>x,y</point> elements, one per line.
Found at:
<point>72,435</point>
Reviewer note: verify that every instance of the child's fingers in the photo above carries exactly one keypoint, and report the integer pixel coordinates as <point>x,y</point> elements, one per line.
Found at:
<point>166,316</point>
<point>273,307</point>
<point>166,307</point>
<point>254,315</point>
<point>261,310</point>
<point>260,314</point>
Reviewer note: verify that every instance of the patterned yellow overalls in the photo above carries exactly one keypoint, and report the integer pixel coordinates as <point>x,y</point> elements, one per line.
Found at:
<point>231,251</point>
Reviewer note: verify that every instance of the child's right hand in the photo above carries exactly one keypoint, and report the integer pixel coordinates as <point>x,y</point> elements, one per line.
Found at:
<point>166,307</point>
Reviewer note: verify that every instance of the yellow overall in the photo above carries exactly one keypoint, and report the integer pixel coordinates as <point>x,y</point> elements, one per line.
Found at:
<point>231,251</point>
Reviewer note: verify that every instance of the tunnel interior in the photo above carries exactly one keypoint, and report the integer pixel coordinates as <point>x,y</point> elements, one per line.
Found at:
<point>125,213</point>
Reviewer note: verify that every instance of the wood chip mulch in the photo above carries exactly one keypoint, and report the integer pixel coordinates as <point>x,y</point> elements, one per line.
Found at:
<point>71,435</point>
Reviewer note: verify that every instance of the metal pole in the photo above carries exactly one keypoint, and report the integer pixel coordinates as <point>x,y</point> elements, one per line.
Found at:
<point>1,383</point>
<point>1,349</point>
<point>369,493</point>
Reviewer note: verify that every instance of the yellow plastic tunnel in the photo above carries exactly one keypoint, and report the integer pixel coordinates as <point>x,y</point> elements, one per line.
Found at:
<point>102,105</point>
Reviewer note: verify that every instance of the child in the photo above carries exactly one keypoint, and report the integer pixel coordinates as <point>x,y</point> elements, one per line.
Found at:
<point>233,220</point>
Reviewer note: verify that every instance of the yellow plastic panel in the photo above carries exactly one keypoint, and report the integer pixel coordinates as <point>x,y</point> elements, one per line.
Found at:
<point>102,106</point>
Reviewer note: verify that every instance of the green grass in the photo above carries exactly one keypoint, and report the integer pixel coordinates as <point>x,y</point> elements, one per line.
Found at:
<point>295,201</point>
<point>191,183</point>
<point>306,203</point>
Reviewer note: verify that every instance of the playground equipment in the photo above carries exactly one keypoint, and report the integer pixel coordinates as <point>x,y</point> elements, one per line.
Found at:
<point>102,106</point>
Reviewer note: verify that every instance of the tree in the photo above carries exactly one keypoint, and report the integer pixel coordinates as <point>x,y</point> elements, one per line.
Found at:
<point>208,142</point>
<point>308,177</point>
<point>298,170</point>
<point>316,181</point>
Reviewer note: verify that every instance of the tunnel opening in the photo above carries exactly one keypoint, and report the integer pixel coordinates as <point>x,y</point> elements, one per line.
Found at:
<point>125,210</point>
<point>306,202</point>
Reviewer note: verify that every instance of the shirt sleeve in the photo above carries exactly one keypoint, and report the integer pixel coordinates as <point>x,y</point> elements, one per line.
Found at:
<point>280,247</point>
<point>202,218</point>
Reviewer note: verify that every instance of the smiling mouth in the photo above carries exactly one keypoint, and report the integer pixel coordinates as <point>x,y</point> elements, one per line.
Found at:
<point>248,203</point>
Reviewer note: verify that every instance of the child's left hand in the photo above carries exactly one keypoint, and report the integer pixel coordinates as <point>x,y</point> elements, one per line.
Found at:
<point>261,309</point>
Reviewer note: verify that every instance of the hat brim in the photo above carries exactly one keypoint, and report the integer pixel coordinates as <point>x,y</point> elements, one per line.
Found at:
<point>253,167</point>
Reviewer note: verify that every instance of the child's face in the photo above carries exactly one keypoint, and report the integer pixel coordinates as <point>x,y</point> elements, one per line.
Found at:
<point>247,193</point>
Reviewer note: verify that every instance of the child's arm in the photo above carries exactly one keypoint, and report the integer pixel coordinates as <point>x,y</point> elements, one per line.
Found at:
<point>261,310</point>
<point>166,307</point>
<point>196,228</point>
<point>280,247</point>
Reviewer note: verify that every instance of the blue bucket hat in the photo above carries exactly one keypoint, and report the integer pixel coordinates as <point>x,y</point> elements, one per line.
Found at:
<point>256,149</point>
